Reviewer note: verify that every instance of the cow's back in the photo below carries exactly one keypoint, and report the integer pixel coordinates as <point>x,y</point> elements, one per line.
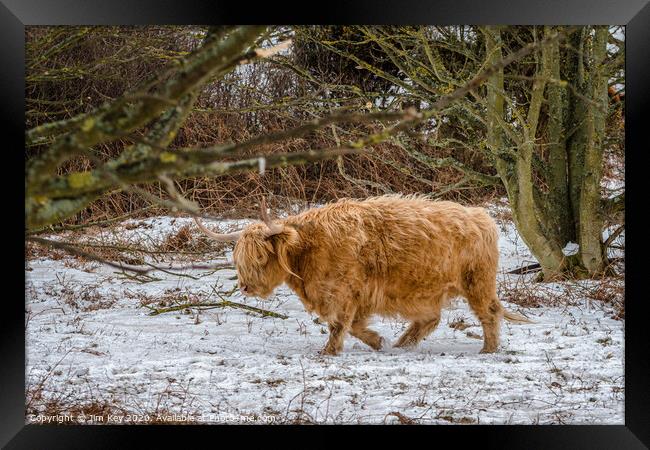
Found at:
<point>390,247</point>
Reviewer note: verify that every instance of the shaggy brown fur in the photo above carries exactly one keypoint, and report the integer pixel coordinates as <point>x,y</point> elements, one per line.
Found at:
<point>390,255</point>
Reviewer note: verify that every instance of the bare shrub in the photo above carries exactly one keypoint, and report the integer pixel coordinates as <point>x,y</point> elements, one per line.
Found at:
<point>245,104</point>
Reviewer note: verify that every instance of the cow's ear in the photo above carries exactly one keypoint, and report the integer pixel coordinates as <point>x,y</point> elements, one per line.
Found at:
<point>283,243</point>
<point>287,238</point>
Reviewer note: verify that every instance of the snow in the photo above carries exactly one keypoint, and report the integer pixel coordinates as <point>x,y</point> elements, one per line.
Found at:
<point>571,248</point>
<point>89,339</point>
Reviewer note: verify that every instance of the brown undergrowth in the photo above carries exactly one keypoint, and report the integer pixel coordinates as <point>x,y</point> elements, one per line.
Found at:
<point>606,293</point>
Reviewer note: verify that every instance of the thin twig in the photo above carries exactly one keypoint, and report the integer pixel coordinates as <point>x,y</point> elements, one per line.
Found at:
<point>612,237</point>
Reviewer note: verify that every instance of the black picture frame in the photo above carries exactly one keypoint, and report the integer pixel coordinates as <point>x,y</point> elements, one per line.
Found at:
<point>635,14</point>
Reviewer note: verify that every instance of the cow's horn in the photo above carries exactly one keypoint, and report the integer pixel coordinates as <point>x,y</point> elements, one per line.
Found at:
<point>274,228</point>
<point>228,237</point>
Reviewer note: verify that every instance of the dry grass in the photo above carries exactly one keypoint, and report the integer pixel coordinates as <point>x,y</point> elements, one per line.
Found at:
<point>62,410</point>
<point>35,251</point>
<point>169,297</point>
<point>78,297</point>
<point>69,413</point>
<point>606,293</point>
<point>458,323</point>
<point>188,240</point>
<point>109,243</point>
<point>53,404</point>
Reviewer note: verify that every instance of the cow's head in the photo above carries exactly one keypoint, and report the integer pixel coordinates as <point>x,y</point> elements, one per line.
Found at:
<point>261,254</point>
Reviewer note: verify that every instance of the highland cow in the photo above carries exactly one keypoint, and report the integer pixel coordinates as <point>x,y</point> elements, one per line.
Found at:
<point>392,256</point>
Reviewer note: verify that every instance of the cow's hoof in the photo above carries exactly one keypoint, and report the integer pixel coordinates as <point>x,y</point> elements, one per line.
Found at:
<point>381,344</point>
<point>328,352</point>
<point>488,350</point>
<point>405,344</point>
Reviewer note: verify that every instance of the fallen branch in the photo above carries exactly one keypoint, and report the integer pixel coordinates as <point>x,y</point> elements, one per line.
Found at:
<point>73,250</point>
<point>139,277</point>
<point>76,252</point>
<point>536,267</point>
<point>158,268</point>
<point>221,304</point>
<point>121,248</point>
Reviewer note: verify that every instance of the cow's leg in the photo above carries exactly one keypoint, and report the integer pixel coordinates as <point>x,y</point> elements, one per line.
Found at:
<point>361,331</point>
<point>489,314</point>
<point>338,327</point>
<point>407,337</point>
<point>418,330</point>
<point>335,342</point>
<point>482,298</point>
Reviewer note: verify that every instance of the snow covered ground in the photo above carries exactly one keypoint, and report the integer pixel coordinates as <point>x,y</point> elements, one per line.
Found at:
<point>90,341</point>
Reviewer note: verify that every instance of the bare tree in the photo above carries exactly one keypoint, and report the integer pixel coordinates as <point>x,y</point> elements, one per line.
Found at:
<point>539,122</point>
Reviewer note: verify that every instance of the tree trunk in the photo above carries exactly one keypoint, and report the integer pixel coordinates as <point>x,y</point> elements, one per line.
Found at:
<point>575,124</point>
<point>571,210</point>
<point>516,173</point>
<point>561,219</point>
<point>590,224</point>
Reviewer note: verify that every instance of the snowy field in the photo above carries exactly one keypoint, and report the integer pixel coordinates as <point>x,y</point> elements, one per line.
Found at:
<point>96,355</point>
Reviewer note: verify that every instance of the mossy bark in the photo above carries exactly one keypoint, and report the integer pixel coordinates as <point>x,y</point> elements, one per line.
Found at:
<point>590,221</point>
<point>50,199</point>
<point>559,204</point>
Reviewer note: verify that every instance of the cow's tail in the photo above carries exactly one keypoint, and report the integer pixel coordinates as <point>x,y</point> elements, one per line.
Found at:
<point>515,318</point>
